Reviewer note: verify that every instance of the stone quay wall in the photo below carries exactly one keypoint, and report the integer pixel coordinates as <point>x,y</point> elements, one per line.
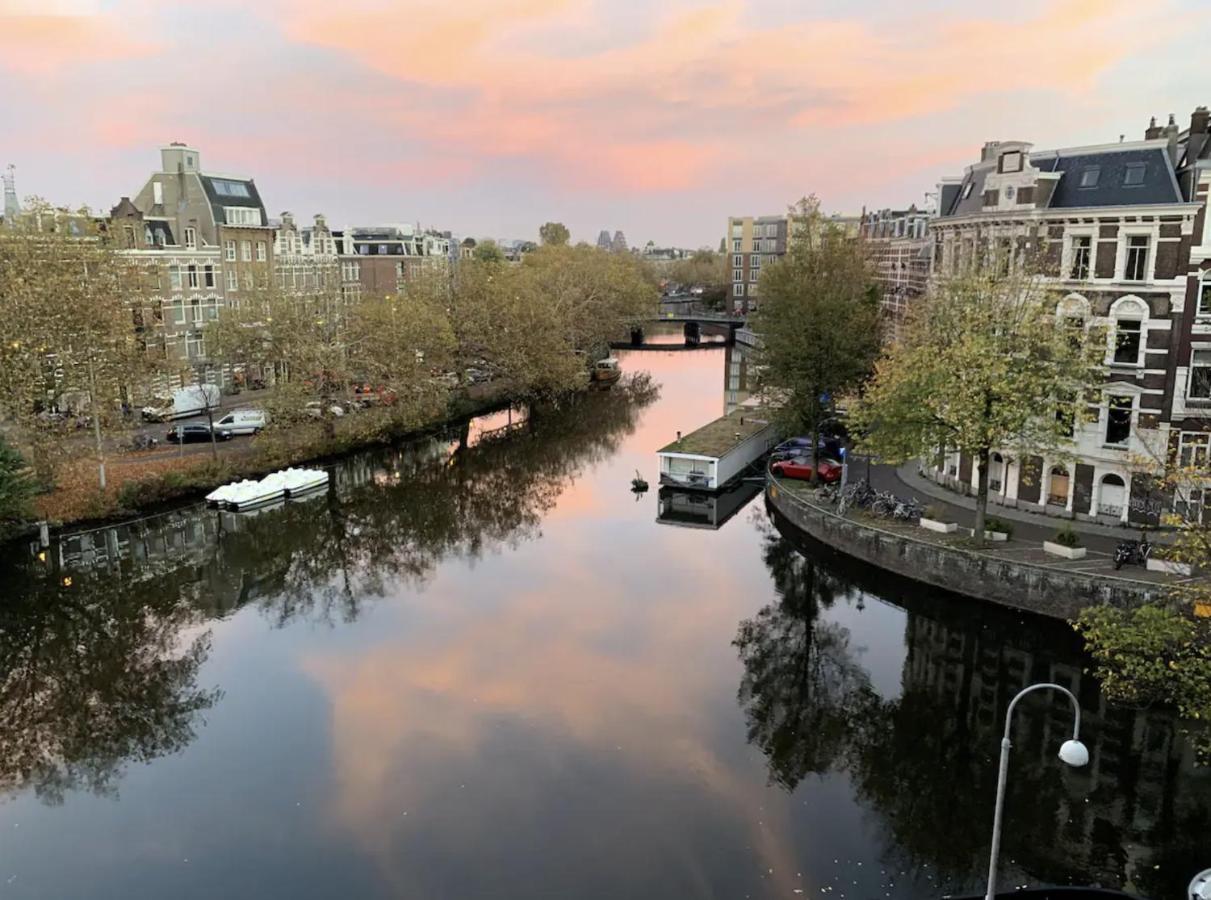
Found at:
<point>1039,589</point>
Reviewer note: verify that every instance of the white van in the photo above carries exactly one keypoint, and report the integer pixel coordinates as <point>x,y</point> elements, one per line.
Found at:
<point>243,421</point>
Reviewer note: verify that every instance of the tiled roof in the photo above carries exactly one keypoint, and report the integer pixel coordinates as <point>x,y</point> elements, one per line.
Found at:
<point>1156,182</point>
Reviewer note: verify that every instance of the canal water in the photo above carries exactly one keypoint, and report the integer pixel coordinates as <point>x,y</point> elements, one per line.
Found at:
<point>481,667</point>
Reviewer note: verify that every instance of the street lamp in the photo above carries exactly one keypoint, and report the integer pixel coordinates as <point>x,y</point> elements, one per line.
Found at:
<point>1073,752</point>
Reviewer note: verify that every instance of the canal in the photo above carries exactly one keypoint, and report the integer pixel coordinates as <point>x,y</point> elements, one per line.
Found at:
<point>481,667</point>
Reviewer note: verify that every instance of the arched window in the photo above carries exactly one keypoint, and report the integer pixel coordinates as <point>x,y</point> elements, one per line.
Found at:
<point>1113,497</point>
<point>1128,315</point>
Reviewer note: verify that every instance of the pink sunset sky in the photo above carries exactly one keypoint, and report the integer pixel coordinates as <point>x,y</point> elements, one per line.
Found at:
<point>657,118</point>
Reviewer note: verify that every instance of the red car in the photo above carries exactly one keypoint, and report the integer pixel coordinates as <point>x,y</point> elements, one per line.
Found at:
<point>801,467</point>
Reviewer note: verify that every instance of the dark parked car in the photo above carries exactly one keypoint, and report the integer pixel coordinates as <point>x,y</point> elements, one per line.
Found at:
<point>195,434</point>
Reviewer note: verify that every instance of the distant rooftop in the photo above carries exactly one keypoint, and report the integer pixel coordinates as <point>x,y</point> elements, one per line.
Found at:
<point>718,438</point>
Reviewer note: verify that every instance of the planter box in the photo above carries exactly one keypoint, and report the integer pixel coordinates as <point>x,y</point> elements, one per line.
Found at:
<point>1064,550</point>
<point>935,525</point>
<point>1170,566</point>
<point>996,537</point>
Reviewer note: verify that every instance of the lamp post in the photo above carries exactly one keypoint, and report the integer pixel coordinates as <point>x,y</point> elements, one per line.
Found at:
<point>1073,752</point>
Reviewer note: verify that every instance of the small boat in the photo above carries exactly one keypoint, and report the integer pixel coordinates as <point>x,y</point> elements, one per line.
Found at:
<point>606,371</point>
<point>220,496</point>
<point>638,483</point>
<point>247,495</point>
<point>299,482</point>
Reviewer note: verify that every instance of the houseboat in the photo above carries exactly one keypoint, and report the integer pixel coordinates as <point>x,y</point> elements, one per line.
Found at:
<point>606,372</point>
<point>716,455</point>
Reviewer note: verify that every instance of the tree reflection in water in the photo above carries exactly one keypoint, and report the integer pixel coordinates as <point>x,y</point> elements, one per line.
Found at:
<point>925,761</point>
<point>801,687</point>
<point>99,657</point>
<point>94,674</point>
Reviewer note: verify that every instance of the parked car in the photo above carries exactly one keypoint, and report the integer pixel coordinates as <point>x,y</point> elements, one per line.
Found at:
<point>195,434</point>
<point>243,421</point>
<point>801,467</point>
<point>801,446</point>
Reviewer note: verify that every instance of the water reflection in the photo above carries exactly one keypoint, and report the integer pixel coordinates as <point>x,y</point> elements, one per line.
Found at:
<point>925,761</point>
<point>699,509</point>
<point>99,633</point>
<point>95,673</point>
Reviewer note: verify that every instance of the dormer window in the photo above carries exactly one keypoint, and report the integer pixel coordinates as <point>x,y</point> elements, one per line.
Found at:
<point>1011,162</point>
<point>1133,175</point>
<point>967,189</point>
<point>1090,176</point>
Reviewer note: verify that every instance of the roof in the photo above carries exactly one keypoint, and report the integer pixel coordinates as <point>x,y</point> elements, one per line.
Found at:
<point>1157,184</point>
<point>718,438</point>
<point>221,192</point>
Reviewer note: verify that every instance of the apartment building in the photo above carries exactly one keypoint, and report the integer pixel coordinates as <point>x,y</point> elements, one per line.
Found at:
<point>208,241</point>
<point>380,259</point>
<point>898,240</point>
<point>754,241</point>
<point>1120,231</point>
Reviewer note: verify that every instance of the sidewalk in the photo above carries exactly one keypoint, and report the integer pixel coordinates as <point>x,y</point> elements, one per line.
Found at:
<point>1028,526</point>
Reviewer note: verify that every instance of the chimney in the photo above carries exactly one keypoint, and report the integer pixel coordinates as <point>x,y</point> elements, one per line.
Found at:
<point>1153,131</point>
<point>288,219</point>
<point>1196,143</point>
<point>1171,132</point>
<point>989,151</point>
<point>1199,121</point>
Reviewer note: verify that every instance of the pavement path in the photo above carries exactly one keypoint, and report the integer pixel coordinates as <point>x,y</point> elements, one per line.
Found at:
<point>1029,529</point>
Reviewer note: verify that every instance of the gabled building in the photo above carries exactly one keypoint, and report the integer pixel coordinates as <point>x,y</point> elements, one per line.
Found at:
<point>382,258</point>
<point>1120,231</point>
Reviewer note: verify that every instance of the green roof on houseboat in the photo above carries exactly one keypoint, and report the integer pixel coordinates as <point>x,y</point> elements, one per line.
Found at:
<point>716,439</point>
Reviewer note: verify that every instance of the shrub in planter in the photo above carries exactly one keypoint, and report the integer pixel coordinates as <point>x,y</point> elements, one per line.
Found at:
<point>992,523</point>
<point>1066,537</point>
<point>1065,543</point>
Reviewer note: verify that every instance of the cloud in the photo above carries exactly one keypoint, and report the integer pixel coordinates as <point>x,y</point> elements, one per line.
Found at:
<point>47,44</point>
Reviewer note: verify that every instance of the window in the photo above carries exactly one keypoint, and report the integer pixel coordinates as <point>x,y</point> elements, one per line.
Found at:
<point>991,197</point>
<point>1137,258</point>
<point>1200,375</point>
<point>260,251</point>
<point>1133,175</point>
<point>1057,492</point>
<point>178,314</point>
<point>233,279</point>
<point>735,245</point>
<point>753,274</point>
<point>737,261</point>
<point>208,276</point>
<point>194,346</point>
<point>755,262</point>
<point>737,274</point>
<point>225,188</point>
<point>1204,296</point>
<point>350,271</point>
<point>1127,341</point>
<point>247,280</point>
<point>174,277</point>
<point>1090,176</point>
<point>191,238</point>
<point>382,249</point>
<point>1118,420</point>
<point>192,273</point>
<point>738,289</point>
<point>1011,162</point>
<point>1194,449</point>
<point>1082,250</point>
<point>229,251</point>
<point>967,188</point>
<point>242,215</point>
<point>246,251</point>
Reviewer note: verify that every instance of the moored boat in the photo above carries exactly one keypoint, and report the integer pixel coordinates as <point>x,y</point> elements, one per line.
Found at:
<point>606,371</point>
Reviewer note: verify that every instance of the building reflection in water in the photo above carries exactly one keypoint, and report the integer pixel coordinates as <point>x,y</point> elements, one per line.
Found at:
<point>700,509</point>
<point>737,375</point>
<point>924,762</point>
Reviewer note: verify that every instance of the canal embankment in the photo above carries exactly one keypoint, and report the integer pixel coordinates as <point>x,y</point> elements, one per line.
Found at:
<point>1016,573</point>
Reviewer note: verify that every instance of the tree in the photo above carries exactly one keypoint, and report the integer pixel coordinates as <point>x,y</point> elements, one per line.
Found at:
<point>554,234</point>
<point>72,338</point>
<point>16,489</point>
<point>705,269</point>
<point>818,322</point>
<point>984,363</point>
<point>488,251</point>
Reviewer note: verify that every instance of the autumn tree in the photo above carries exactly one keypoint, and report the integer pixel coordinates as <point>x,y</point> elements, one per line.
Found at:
<point>16,490</point>
<point>554,234</point>
<point>818,322</point>
<point>488,251</point>
<point>985,362</point>
<point>705,269</point>
<point>73,337</point>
